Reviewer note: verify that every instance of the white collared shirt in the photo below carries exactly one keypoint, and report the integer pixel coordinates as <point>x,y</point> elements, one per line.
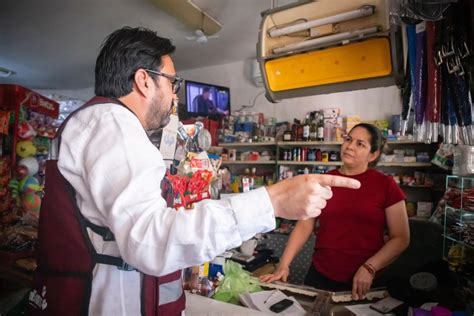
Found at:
<point>106,156</point>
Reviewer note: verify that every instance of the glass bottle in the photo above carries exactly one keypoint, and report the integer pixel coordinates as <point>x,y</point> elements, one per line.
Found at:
<point>306,128</point>
<point>320,126</point>
<point>313,131</point>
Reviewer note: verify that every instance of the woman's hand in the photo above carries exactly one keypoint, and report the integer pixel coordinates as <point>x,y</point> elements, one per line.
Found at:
<point>361,283</point>
<point>281,273</point>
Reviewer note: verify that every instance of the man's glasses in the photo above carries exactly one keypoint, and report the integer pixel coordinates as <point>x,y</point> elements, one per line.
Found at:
<point>176,81</point>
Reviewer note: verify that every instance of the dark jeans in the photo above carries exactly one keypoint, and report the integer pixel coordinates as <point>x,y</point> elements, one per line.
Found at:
<point>315,279</point>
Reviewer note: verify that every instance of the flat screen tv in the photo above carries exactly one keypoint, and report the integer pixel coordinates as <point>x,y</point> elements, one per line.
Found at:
<point>204,99</point>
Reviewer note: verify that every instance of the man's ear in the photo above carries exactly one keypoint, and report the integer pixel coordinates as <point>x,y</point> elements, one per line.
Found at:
<point>141,82</point>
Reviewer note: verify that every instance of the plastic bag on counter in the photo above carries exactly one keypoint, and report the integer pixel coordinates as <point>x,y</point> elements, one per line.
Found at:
<point>235,282</point>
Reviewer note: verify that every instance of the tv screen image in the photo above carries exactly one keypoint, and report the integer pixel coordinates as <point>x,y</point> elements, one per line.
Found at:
<point>204,99</point>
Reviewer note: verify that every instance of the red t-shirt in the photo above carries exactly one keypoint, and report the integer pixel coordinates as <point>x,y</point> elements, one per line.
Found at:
<point>351,226</point>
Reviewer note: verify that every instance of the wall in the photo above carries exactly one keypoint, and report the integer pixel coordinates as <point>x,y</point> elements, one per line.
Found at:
<point>79,94</point>
<point>370,104</point>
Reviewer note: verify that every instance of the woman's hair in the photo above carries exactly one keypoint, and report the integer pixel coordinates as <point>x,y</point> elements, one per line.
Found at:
<point>124,52</point>
<point>377,141</point>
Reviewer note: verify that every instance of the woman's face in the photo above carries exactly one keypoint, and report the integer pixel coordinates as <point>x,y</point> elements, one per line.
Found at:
<point>355,149</point>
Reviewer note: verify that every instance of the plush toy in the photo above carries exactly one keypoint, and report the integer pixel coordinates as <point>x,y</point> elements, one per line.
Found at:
<point>25,131</point>
<point>31,164</point>
<point>31,202</point>
<point>21,171</point>
<point>25,149</point>
<point>29,184</point>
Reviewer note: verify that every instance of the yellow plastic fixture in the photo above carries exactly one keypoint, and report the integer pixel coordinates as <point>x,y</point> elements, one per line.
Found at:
<point>366,59</point>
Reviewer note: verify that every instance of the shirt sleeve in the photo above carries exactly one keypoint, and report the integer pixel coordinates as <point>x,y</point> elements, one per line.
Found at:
<point>122,172</point>
<point>394,193</point>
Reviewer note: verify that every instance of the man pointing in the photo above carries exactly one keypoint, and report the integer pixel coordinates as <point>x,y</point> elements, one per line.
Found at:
<point>138,244</point>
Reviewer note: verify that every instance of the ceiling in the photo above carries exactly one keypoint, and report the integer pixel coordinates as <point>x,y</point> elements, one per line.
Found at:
<point>53,44</point>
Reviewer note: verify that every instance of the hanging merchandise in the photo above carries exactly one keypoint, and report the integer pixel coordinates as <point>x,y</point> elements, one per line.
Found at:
<point>419,83</point>
<point>433,98</point>
<point>406,100</point>
<point>415,11</point>
<point>409,86</point>
<point>453,57</point>
<point>440,68</point>
<point>449,128</point>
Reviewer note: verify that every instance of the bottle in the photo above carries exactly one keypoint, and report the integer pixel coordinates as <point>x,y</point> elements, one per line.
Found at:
<point>313,131</point>
<point>287,135</point>
<point>306,128</point>
<point>320,126</point>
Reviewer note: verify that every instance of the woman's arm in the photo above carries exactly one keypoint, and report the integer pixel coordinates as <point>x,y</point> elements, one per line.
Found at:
<point>399,234</point>
<point>298,237</point>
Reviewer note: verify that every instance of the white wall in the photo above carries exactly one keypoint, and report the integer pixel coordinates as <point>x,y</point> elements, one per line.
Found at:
<point>79,94</point>
<point>370,104</point>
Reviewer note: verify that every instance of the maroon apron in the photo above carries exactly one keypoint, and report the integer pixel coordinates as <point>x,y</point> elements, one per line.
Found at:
<point>66,257</point>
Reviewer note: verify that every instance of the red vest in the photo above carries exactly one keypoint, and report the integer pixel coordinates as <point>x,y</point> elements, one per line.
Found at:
<point>66,256</point>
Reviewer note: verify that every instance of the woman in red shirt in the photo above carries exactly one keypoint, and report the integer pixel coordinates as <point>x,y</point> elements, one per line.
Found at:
<point>350,246</point>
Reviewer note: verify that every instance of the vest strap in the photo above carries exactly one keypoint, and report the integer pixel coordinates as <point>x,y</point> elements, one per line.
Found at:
<point>105,232</point>
<point>113,261</point>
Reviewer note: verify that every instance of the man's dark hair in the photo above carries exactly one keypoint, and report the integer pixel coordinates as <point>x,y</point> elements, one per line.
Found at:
<point>377,141</point>
<point>205,89</point>
<point>124,52</point>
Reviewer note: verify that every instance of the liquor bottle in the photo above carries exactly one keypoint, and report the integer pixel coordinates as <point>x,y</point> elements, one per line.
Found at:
<point>313,131</point>
<point>320,126</point>
<point>306,127</point>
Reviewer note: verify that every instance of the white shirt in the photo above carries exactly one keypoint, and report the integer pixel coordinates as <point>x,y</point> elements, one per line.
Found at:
<point>106,156</point>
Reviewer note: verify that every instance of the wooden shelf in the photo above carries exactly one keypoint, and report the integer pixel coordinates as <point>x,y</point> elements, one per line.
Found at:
<point>308,163</point>
<point>405,164</point>
<point>286,144</point>
<point>248,162</point>
<point>227,145</point>
<point>416,186</point>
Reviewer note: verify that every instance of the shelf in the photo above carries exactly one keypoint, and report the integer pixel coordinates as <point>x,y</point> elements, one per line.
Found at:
<point>247,144</point>
<point>312,143</point>
<point>248,162</point>
<point>462,243</point>
<point>405,164</point>
<point>462,210</point>
<point>417,186</point>
<point>308,163</point>
<point>339,163</point>
<point>285,144</point>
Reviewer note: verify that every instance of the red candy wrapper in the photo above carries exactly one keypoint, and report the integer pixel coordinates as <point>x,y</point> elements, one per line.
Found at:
<point>190,189</point>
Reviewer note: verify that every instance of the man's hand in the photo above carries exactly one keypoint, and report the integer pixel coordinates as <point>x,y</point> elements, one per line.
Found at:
<point>304,196</point>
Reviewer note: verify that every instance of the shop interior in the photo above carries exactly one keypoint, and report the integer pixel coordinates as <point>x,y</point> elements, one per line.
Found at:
<point>271,90</point>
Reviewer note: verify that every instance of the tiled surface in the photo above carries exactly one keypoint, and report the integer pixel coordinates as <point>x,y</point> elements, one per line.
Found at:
<point>300,265</point>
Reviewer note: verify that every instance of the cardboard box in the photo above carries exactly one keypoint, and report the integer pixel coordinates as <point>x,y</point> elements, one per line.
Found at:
<point>423,209</point>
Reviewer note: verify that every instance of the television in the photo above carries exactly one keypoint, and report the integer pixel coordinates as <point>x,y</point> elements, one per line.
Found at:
<point>204,99</point>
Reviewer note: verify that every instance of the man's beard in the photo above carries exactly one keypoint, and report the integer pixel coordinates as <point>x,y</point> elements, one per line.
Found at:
<point>155,118</point>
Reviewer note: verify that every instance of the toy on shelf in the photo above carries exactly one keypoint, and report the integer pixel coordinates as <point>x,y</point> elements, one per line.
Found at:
<point>27,123</point>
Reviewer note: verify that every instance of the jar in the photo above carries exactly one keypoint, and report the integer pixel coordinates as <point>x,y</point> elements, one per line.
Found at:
<point>287,135</point>
<point>325,156</point>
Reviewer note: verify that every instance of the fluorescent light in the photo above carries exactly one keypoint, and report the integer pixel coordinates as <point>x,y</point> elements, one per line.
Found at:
<point>365,10</point>
<point>327,40</point>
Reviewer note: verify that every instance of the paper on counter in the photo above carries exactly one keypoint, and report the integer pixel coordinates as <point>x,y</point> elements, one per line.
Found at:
<point>257,301</point>
<point>363,310</point>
